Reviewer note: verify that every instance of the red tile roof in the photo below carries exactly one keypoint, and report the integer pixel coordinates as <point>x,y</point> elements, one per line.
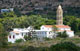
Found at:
<point>58,26</point>
<point>48,26</point>
<point>64,30</point>
<point>62,26</point>
<point>15,31</point>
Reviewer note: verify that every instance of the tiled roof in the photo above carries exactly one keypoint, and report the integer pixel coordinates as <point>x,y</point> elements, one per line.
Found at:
<point>48,26</point>
<point>64,30</point>
<point>58,26</point>
<point>62,26</point>
<point>15,31</point>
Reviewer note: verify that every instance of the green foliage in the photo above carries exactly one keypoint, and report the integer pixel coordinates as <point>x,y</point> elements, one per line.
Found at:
<point>24,21</point>
<point>27,38</point>
<point>3,39</point>
<point>47,39</point>
<point>3,36</point>
<point>9,14</point>
<point>66,46</point>
<point>76,24</point>
<point>19,40</point>
<point>17,12</point>
<point>62,34</point>
<point>69,19</point>
<point>1,28</point>
<point>10,20</point>
<point>73,22</point>
<point>77,33</point>
<point>31,48</point>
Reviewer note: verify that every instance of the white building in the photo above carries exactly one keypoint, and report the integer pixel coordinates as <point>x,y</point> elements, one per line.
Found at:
<point>45,30</point>
<point>17,33</point>
<point>7,10</point>
<point>60,28</point>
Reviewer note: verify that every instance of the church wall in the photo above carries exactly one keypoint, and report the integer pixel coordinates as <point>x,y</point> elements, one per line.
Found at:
<point>64,28</point>
<point>16,36</point>
<point>70,34</point>
<point>45,28</point>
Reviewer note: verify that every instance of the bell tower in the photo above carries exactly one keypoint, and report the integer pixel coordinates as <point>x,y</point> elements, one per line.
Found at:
<point>59,16</point>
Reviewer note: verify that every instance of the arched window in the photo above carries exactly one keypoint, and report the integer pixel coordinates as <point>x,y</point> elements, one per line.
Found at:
<point>10,36</point>
<point>13,36</point>
<point>45,32</point>
<point>49,32</point>
<point>22,34</point>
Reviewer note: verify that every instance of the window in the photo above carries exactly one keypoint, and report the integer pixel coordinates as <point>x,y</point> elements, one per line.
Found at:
<point>49,32</point>
<point>43,28</point>
<point>22,34</point>
<point>26,33</point>
<point>39,32</point>
<point>10,36</point>
<point>42,32</point>
<point>13,36</point>
<point>45,32</point>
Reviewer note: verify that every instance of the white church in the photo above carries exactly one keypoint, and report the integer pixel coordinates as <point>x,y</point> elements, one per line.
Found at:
<point>45,30</point>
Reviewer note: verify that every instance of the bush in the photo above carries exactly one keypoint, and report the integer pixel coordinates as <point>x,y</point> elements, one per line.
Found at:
<point>66,46</point>
<point>19,40</point>
<point>3,39</point>
<point>31,48</point>
<point>77,33</point>
<point>47,39</point>
<point>62,35</point>
<point>27,38</point>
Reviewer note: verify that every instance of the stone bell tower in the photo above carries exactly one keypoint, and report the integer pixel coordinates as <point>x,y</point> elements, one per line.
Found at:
<point>59,15</point>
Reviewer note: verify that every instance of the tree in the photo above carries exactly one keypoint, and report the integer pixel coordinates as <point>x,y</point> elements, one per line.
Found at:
<point>73,22</point>
<point>31,33</point>
<point>9,14</point>
<point>27,38</point>
<point>62,34</point>
<point>75,25</point>
<point>30,48</point>
<point>3,36</point>
<point>3,40</point>
<point>1,28</point>
<point>17,12</point>
<point>68,19</point>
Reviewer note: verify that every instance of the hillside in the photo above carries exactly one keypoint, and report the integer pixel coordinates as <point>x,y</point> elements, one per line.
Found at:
<point>42,6</point>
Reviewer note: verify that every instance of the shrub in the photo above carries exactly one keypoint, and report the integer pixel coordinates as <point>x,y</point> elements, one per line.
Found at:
<point>62,35</point>
<point>27,38</point>
<point>66,46</point>
<point>31,48</point>
<point>77,33</point>
<point>3,39</point>
<point>47,39</point>
<point>19,40</point>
